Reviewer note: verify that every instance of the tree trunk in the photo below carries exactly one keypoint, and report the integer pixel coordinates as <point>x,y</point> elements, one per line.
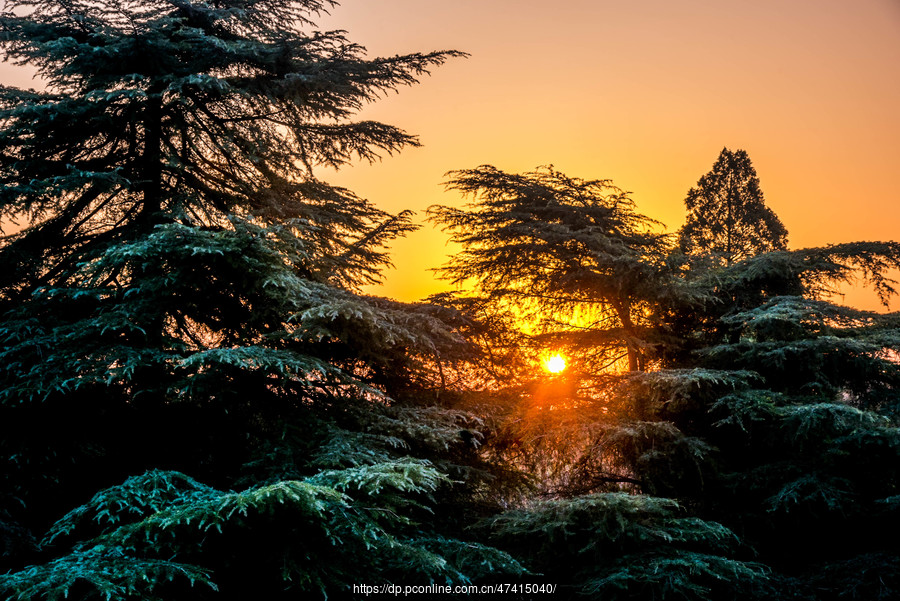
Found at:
<point>635,360</point>
<point>729,223</point>
<point>151,160</point>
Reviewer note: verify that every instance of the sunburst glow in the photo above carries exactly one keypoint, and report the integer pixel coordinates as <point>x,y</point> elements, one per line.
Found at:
<point>555,363</point>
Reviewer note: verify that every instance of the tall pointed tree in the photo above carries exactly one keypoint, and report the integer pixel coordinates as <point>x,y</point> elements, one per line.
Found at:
<point>727,219</point>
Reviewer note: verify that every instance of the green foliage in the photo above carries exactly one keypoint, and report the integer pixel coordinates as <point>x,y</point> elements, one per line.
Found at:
<point>765,407</point>
<point>191,112</point>
<point>101,573</point>
<point>811,491</point>
<point>184,302</point>
<point>136,498</point>
<point>685,576</point>
<point>624,546</point>
<point>873,576</point>
<point>810,272</point>
<point>813,347</point>
<point>672,392</point>
<point>744,409</point>
<point>184,298</point>
<point>662,457</point>
<point>323,534</point>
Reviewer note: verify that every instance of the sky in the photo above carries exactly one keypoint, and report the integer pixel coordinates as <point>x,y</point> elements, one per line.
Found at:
<point>645,93</point>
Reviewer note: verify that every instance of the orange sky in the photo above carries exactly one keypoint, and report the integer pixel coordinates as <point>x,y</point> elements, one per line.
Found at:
<point>646,93</point>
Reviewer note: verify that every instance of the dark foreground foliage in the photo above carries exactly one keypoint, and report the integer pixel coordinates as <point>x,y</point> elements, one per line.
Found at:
<point>197,401</point>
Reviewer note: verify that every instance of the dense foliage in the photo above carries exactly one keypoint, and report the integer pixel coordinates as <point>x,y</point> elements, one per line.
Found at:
<point>181,324</point>
<point>197,401</point>
<point>728,219</point>
<point>759,429</point>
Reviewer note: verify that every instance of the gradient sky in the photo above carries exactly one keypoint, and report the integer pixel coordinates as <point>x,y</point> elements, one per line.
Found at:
<point>643,92</point>
<point>646,93</point>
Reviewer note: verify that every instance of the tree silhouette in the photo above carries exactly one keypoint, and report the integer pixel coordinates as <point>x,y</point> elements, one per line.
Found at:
<point>727,218</point>
<point>758,456</point>
<point>197,401</point>
<point>183,304</point>
<point>551,242</point>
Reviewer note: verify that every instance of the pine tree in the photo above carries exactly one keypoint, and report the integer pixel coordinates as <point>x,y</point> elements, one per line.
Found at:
<point>183,303</point>
<point>549,243</point>
<point>756,459</point>
<point>577,251</point>
<point>804,417</point>
<point>727,219</point>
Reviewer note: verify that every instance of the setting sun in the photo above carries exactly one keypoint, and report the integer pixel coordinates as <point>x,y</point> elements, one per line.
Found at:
<point>555,363</point>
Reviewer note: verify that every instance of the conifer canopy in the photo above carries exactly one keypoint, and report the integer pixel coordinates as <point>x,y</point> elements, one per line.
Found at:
<point>198,402</point>
<point>727,217</point>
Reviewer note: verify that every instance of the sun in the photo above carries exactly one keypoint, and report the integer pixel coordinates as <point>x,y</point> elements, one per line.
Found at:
<point>555,363</point>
